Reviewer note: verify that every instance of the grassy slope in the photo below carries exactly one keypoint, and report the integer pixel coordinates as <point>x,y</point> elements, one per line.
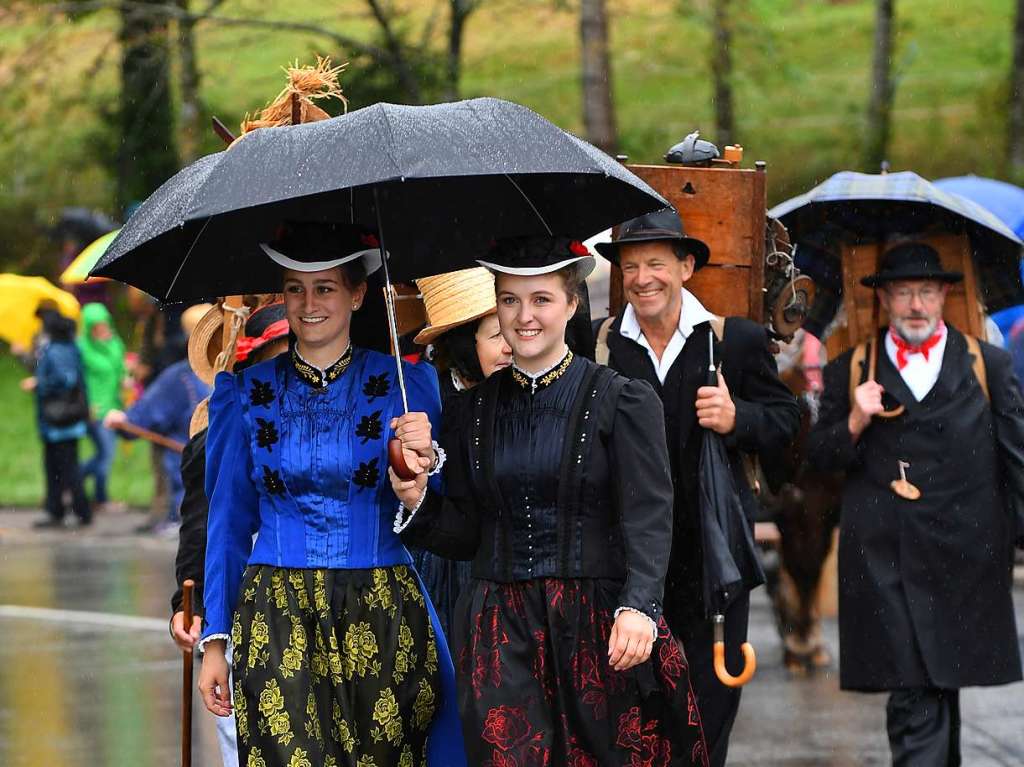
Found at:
<point>802,70</point>
<point>21,468</point>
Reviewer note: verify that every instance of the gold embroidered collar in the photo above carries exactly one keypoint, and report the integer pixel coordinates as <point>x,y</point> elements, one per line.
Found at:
<point>535,381</point>
<point>317,377</point>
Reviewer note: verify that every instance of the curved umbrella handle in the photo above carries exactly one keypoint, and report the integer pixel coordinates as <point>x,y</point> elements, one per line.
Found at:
<point>896,411</point>
<point>749,658</point>
<point>397,460</point>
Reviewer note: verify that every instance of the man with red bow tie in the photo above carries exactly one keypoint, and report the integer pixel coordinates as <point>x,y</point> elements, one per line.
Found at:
<point>929,510</point>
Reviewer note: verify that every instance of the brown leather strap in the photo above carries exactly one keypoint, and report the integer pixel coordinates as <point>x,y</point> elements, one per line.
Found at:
<point>978,364</point>
<point>718,327</point>
<point>601,346</point>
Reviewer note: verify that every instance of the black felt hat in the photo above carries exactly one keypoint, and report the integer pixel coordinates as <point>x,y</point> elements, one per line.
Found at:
<point>538,255</point>
<point>911,261</point>
<point>309,246</point>
<point>664,225</point>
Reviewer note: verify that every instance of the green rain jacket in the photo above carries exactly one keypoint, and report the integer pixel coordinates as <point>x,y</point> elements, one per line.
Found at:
<point>103,361</point>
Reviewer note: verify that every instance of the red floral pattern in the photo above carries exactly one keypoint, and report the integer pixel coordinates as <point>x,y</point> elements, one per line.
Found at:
<point>506,727</point>
<point>538,691</point>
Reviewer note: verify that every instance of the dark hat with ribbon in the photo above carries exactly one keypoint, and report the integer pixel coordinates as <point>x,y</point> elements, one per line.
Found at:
<point>528,256</point>
<point>314,246</point>
<point>910,261</point>
<point>266,324</point>
<point>664,225</point>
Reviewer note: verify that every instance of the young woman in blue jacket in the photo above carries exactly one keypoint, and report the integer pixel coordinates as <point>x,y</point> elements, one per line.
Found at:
<point>337,655</point>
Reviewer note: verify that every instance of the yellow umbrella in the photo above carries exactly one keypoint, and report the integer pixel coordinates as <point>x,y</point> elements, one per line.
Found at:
<point>19,298</point>
<point>78,270</point>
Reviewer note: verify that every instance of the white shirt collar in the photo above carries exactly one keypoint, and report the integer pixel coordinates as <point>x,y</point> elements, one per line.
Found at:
<point>920,374</point>
<point>691,314</point>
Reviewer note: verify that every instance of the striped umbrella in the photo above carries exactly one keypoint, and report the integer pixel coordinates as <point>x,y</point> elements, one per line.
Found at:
<point>866,207</point>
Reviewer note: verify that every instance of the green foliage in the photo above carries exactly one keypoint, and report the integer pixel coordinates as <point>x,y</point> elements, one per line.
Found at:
<point>801,76</point>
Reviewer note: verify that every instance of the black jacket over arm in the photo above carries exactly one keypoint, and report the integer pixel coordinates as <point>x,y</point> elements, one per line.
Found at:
<point>190,561</point>
<point>767,419</point>
<point>612,517</point>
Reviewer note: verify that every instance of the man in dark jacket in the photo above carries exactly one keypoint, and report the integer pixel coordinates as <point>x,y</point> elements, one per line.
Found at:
<point>926,527</point>
<point>663,336</point>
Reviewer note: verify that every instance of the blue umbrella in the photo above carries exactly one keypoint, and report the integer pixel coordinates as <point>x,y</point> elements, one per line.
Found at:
<point>1004,200</point>
<point>1007,202</point>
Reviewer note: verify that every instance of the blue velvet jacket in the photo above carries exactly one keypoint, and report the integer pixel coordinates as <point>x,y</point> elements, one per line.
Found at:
<point>299,457</point>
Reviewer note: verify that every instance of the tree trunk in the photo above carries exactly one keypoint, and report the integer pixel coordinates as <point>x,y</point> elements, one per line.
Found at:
<point>393,44</point>
<point>191,108</point>
<point>880,104</point>
<point>598,109</point>
<point>460,10</point>
<point>721,72</point>
<point>1015,129</point>
<point>148,153</point>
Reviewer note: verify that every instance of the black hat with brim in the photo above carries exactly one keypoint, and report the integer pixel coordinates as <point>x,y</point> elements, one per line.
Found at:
<point>530,256</point>
<point>315,246</point>
<point>661,226</point>
<point>911,261</point>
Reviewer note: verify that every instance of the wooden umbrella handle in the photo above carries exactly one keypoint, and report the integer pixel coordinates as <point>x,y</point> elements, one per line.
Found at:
<point>396,457</point>
<point>872,369</point>
<point>186,678</point>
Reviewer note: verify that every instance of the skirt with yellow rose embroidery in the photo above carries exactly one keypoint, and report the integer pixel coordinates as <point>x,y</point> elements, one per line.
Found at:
<point>333,668</point>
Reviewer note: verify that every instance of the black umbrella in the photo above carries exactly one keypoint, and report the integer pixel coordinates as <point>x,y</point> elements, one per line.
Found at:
<point>83,224</point>
<point>730,565</point>
<point>442,180</point>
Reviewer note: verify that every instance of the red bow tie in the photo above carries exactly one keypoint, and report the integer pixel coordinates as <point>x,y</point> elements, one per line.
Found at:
<point>903,349</point>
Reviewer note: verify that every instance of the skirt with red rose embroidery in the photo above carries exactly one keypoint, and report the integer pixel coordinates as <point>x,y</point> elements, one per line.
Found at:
<point>536,689</point>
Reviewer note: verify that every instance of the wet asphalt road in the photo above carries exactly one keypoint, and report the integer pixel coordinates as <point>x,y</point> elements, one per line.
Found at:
<point>89,676</point>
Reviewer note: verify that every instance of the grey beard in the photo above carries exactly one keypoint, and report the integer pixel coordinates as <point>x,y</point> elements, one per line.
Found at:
<point>915,338</point>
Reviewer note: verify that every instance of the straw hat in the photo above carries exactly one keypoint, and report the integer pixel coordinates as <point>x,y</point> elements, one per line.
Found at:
<point>200,418</point>
<point>191,316</point>
<point>453,299</point>
<point>206,341</point>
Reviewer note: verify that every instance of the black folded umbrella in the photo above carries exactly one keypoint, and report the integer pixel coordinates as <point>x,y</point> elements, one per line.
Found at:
<point>731,566</point>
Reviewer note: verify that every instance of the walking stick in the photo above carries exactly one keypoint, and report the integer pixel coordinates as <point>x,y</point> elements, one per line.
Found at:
<point>186,678</point>
<point>150,436</point>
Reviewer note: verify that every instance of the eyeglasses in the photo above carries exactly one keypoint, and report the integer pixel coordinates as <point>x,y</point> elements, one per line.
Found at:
<point>928,294</point>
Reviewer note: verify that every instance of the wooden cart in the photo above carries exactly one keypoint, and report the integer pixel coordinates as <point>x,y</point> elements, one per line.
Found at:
<point>964,309</point>
<point>726,207</point>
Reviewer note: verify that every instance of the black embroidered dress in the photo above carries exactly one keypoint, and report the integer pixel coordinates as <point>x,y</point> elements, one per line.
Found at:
<point>558,487</point>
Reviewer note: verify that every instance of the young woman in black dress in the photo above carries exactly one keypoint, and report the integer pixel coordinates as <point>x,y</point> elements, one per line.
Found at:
<point>557,487</point>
